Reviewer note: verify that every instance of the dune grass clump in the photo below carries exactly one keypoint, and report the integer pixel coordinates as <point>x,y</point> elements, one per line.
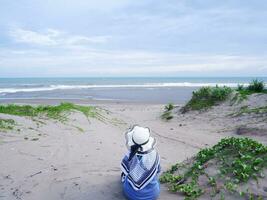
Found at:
<point>247,110</point>
<point>255,86</point>
<point>169,107</point>
<point>6,124</point>
<point>167,114</point>
<point>57,112</point>
<point>224,168</point>
<point>207,97</point>
<point>240,87</point>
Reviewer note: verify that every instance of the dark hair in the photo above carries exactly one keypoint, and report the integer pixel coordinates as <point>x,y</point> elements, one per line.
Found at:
<point>134,149</point>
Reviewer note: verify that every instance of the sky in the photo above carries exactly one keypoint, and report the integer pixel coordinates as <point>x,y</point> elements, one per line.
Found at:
<point>73,38</point>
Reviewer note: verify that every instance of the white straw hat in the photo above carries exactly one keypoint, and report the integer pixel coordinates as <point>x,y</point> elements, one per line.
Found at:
<point>141,136</point>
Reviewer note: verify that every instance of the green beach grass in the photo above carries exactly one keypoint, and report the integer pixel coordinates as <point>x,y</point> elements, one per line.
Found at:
<point>206,97</point>
<point>6,124</point>
<point>247,110</point>
<point>58,112</point>
<point>255,86</point>
<point>167,114</point>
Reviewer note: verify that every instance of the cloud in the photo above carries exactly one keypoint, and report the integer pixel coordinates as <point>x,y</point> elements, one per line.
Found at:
<point>82,39</point>
<point>31,37</point>
<point>120,37</point>
<point>53,37</point>
<point>89,62</point>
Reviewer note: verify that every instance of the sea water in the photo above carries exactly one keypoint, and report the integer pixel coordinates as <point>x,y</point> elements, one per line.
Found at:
<point>128,89</point>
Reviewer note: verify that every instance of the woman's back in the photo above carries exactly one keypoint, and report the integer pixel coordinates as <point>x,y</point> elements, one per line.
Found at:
<point>140,166</point>
<point>140,176</point>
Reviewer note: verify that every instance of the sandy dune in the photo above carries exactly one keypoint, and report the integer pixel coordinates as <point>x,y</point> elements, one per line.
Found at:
<point>80,159</point>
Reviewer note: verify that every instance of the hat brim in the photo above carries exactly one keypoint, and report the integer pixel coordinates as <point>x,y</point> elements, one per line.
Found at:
<point>145,148</point>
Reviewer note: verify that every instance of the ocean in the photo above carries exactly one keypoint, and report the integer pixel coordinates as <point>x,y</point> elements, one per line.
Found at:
<point>146,89</point>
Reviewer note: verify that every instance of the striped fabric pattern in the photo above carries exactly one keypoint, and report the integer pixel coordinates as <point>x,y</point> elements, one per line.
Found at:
<point>141,169</point>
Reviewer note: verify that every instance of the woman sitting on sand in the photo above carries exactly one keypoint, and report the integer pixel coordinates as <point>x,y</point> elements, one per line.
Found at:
<point>141,166</point>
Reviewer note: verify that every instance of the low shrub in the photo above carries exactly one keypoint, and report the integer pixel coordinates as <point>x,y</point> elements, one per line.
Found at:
<point>206,97</point>
<point>256,86</point>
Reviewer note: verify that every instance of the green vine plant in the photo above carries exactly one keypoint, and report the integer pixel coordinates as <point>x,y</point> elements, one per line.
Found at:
<point>224,169</point>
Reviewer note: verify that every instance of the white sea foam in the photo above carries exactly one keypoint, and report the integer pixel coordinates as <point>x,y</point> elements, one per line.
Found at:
<point>147,85</point>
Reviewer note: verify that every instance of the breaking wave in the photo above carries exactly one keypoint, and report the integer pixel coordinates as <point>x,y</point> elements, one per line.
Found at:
<point>72,87</point>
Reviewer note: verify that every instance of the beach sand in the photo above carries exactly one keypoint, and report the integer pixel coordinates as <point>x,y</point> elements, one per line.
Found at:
<point>80,159</point>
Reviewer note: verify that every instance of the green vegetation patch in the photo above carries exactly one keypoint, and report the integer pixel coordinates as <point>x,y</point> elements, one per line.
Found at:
<point>57,112</point>
<point>221,169</point>
<point>255,86</point>
<point>207,97</point>
<point>167,114</point>
<point>247,110</point>
<point>7,124</point>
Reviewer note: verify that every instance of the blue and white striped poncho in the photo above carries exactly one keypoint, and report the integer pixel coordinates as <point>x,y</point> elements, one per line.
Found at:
<point>140,176</point>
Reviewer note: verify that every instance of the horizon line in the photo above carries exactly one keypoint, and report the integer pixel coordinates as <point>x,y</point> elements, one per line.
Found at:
<point>252,76</point>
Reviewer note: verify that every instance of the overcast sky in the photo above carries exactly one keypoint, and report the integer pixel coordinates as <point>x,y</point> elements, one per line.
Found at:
<point>133,38</point>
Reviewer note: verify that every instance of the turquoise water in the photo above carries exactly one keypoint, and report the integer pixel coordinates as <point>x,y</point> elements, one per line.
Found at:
<point>156,89</point>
